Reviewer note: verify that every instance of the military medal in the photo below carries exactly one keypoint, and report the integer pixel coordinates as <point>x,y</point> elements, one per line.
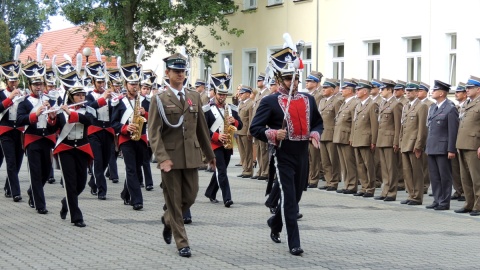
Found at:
<point>190,104</point>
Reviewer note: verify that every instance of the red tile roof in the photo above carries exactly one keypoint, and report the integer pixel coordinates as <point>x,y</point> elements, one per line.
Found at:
<point>68,41</point>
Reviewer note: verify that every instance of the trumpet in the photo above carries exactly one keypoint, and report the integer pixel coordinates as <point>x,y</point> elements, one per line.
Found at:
<point>56,108</point>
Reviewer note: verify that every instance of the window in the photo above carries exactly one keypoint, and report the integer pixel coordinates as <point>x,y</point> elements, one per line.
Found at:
<point>414,59</point>
<point>222,61</point>
<point>373,60</point>
<point>274,2</point>
<point>452,59</point>
<point>203,70</point>
<point>306,56</point>
<point>250,4</point>
<point>337,61</point>
<point>250,68</point>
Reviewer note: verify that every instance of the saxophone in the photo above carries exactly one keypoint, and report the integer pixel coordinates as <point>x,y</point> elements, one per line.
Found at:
<point>228,129</point>
<point>137,119</point>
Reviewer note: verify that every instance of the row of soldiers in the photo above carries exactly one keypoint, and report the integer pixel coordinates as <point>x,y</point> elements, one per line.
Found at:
<point>375,133</point>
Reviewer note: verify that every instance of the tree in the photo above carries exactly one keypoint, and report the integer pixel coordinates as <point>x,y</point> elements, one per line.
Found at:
<point>26,19</point>
<point>5,49</point>
<point>122,25</point>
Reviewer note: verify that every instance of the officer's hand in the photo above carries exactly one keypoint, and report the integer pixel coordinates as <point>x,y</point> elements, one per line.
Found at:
<point>418,153</point>
<point>166,165</point>
<point>213,164</point>
<point>395,148</point>
<point>451,155</point>
<point>281,134</point>
<point>231,120</point>
<point>14,93</point>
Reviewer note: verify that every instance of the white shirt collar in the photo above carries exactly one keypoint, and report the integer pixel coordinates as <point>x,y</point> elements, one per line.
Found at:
<point>441,103</point>
<point>348,99</point>
<point>365,101</point>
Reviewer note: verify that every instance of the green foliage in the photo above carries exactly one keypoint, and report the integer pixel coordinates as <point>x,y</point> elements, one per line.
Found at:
<point>26,19</point>
<point>5,49</point>
<point>122,25</point>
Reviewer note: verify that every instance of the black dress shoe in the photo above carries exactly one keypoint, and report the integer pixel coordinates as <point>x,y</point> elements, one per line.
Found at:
<point>359,194</point>
<point>149,188</point>
<point>455,196</point>
<point>461,199</point>
<point>142,185</point>
<point>296,251</point>
<point>51,180</point>
<point>425,191</point>
<point>312,186</point>
<point>126,201</point>
<point>17,198</point>
<point>430,195</point>
<point>80,224</point>
<point>137,206</point>
<point>275,237</point>
<point>228,203</point>
<point>299,215</point>
<point>247,176</point>
<point>389,199</point>
<point>167,233</point>
<point>431,206</point>
<point>442,208</point>
<point>213,200</point>
<point>63,213</point>
<point>475,213</point>
<point>273,210</point>
<point>262,178</point>
<point>405,201</point>
<point>367,195</point>
<point>114,181</point>
<point>414,203</point>
<point>7,193</point>
<point>463,211</point>
<point>42,211</point>
<point>254,177</point>
<point>102,197</point>
<point>187,220</point>
<point>93,192</point>
<point>346,191</point>
<point>340,190</point>
<point>323,187</point>
<point>30,202</point>
<point>379,198</point>
<point>331,189</point>
<point>401,188</point>
<point>240,175</point>
<point>185,252</point>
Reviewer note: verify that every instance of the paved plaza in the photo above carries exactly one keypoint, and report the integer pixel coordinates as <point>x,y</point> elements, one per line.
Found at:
<point>337,232</point>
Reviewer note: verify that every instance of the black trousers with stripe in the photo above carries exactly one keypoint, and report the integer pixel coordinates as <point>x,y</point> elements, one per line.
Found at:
<point>39,164</point>
<point>11,143</point>
<point>133,153</point>
<point>101,143</point>
<point>219,178</point>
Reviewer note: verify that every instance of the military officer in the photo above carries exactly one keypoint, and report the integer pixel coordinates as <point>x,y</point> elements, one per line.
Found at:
<point>223,121</point>
<point>399,94</point>
<point>176,133</point>
<point>423,97</point>
<point>10,131</point>
<point>377,98</point>
<point>290,140</point>
<point>364,138</point>
<point>261,147</point>
<point>329,107</point>
<point>413,136</point>
<point>469,148</point>
<point>245,111</point>
<point>316,172</point>
<point>442,125</point>
<point>200,88</point>
<point>342,138</point>
<point>461,97</point>
<point>389,116</point>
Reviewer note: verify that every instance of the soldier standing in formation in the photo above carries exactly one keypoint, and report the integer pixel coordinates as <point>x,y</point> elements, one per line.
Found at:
<point>245,145</point>
<point>261,147</point>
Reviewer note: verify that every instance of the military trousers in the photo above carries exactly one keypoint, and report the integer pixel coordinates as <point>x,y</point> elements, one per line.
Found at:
<point>413,175</point>
<point>388,158</point>
<point>330,163</point>
<point>245,146</point>
<point>348,167</point>
<point>315,165</point>
<point>470,173</point>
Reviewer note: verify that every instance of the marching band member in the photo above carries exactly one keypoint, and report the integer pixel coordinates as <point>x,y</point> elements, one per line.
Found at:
<point>10,131</point>
<point>54,99</point>
<point>146,88</point>
<point>290,134</point>
<point>40,136</point>
<point>128,120</point>
<point>100,132</point>
<point>73,149</point>
<point>221,139</point>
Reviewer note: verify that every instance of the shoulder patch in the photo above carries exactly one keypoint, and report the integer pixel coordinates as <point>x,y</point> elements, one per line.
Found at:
<point>206,108</point>
<point>233,107</point>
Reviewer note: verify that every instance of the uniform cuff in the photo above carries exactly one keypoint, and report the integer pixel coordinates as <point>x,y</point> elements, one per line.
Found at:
<point>271,136</point>
<point>124,130</point>
<point>7,103</point>
<point>33,118</point>
<point>74,118</point>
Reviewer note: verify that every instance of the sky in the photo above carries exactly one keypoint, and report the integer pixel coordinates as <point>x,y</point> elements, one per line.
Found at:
<point>58,23</point>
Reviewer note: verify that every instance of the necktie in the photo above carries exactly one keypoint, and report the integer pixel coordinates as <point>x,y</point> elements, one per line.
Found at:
<point>435,109</point>
<point>182,100</point>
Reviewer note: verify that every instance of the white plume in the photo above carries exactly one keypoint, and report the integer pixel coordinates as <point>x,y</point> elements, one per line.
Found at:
<point>140,53</point>
<point>79,63</point>
<point>296,63</point>
<point>98,54</point>
<point>68,58</point>
<point>289,41</point>
<point>227,65</point>
<point>16,53</point>
<point>119,62</point>
<point>284,45</point>
<point>54,64</point>
<point>39,52</point>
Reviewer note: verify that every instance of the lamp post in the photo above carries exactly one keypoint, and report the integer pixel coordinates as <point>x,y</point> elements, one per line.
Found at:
<point>87,52</point>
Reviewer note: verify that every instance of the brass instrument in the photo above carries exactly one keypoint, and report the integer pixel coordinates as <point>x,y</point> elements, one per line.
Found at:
<point>228,129</point>
<point>137,119</point>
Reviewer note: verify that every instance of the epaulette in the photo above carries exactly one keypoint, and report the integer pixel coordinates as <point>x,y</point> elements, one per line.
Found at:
<point>206,108</point>
<point>233,107</point>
